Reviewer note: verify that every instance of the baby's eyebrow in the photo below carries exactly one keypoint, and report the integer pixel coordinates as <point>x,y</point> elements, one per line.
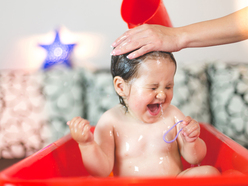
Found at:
<point>152,84</point>
<point>170,84</point>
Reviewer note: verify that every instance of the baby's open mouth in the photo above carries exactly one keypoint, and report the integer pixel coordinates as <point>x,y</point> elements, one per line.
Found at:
<point>154,109</point>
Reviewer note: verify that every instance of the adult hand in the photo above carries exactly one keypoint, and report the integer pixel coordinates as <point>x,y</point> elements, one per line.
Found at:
<point>146,38</point>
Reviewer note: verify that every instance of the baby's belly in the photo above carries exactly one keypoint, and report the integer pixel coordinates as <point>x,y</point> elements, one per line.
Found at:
<point>151,166</point>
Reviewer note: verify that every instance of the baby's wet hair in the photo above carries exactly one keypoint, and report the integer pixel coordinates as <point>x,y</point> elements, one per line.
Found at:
<point>127,69</point>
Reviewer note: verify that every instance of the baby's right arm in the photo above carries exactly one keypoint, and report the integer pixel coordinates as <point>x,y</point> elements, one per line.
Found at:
<point>98,160</point>
<point>80,131</point>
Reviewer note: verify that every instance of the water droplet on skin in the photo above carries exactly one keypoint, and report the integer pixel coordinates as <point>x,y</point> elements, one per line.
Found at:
<point>127,146</point>
<point>161,160</point>
<point>158,62</point>
<point>136,169</point>
<point>131,81</point>
<point>176,119</point>
<point>110,133</point>
<point>83,131</point>
<point>140,138</point>
<point>75,127</point>
<point>162,111</point>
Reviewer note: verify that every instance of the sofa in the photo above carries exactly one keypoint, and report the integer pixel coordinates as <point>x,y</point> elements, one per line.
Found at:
<point>35,106</point>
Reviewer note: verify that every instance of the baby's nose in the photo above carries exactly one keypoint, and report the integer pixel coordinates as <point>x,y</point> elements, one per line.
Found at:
<point>160,95</point>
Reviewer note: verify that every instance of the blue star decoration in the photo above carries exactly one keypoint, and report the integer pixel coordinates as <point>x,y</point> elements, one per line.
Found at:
<point>57,53</point>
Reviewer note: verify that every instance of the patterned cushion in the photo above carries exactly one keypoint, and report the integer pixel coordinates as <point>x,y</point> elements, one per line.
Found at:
<point>191,92</point>
<point>64,91</point>
<point>20,121</point>
<point>101,95</point>
<point>229,99</point>
<point>35,107</point>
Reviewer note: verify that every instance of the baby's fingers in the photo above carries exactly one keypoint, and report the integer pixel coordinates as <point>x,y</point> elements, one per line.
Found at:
<point>186,121</point>
<point>85,135</point>
<point>80,130</point>
<point>193,134</point>
<point>77,123</point>
<point>191,127</point>
<point>192,130</point>
<point>73,121</point>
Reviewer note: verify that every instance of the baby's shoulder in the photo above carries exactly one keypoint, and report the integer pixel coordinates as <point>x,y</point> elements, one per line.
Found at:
<point>174,111</point>
<point>111,116</point>
<point>173,108</point>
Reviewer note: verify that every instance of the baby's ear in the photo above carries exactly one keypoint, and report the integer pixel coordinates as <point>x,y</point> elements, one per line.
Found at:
<point>121,86</point>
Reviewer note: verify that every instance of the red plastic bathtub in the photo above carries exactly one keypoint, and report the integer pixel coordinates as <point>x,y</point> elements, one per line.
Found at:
<point>60,164</point>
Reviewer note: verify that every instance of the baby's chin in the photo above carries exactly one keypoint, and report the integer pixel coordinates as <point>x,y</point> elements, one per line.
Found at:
<point>144,118</point>
<point>151,119</point>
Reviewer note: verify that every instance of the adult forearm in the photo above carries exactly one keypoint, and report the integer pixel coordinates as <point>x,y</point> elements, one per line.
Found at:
<point>229,29</point>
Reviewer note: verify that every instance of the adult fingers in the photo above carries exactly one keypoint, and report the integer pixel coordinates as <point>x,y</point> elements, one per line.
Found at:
<point>127,34</point>
<point>142,40</point>
<point>131,43</point>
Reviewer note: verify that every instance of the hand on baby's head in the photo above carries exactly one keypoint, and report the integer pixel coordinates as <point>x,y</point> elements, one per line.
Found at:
<point>80,130</point>
<point>191,129</point>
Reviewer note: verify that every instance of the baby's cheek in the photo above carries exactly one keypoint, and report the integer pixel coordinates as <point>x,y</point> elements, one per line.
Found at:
<point>169,96</point>
<point>140,102</point>
<point>138,99</point>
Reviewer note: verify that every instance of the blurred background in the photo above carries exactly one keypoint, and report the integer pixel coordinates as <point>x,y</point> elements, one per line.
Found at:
<point>35,103</point>
<point>94,25</point>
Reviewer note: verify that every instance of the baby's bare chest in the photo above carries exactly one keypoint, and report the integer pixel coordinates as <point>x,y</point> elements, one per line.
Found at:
<point>132,142</point>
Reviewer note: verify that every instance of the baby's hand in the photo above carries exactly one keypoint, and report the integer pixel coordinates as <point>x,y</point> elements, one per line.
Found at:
<point>191,129</point>
<point>80,130</point>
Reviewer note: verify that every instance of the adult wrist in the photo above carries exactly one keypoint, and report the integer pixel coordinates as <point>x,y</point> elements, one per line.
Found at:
<point>183,38</point>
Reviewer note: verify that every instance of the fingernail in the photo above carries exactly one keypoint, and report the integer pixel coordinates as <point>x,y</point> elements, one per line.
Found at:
<point>68,122</point>
<point>113,45</point>
<point>131,56</point>
<point>116,52</point>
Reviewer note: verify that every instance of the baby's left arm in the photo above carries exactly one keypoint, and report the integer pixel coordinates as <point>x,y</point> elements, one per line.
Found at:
<point>192,148</point>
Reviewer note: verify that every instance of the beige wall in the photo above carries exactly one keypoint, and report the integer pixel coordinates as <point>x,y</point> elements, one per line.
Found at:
<point>94,25</point>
